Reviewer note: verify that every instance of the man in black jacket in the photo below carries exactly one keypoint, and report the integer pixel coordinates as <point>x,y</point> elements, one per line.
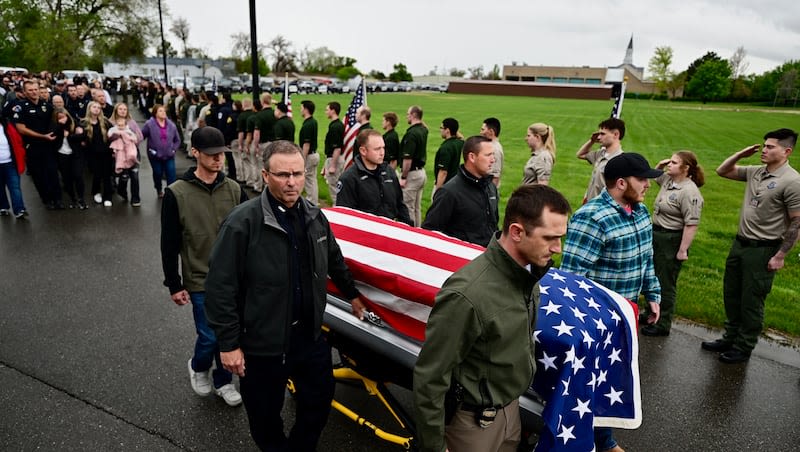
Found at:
<point>466,206</point>
<point>266,294</point>
<point>369,184</point>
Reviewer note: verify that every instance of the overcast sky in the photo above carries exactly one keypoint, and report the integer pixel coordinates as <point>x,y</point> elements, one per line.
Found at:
<point>424,34</point>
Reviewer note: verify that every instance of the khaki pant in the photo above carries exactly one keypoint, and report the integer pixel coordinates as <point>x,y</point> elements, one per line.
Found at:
<point>465,435</point>
<point>412,194</point>
<point>257,181</point>
<point>333,179</point>
<point>312,187</point>
<point>247,165</point>
<point>237,159</point>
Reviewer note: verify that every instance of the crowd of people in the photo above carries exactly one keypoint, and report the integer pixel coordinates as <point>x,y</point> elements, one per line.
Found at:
<point>255,270</point>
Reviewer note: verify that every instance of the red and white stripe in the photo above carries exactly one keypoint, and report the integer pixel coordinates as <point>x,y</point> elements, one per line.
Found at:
<point>420,262</point>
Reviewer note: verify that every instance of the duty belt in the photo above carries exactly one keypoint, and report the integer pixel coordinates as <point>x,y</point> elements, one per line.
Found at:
<point>744,241</point>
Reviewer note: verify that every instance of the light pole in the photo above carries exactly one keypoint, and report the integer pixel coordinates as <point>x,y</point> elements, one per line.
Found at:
<point>163,43</point>
<point>254,50</point>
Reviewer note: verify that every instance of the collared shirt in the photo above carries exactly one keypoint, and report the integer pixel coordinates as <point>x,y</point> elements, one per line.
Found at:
<point>539,167</point>
<point>499,155</point>
<point>308,134</point>
<point>599,159</point>
<point>677,204</point>
<point>768,199</point>
<point>613,247</point>
<point>448,157</point>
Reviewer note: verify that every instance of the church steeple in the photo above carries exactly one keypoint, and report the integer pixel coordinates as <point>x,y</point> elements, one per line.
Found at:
<point>629,53</point>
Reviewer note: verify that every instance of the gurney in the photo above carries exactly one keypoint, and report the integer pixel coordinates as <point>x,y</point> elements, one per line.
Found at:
<point>398,270</point>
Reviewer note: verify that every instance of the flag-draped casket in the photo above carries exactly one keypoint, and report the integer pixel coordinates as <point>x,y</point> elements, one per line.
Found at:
<point>585,334</point>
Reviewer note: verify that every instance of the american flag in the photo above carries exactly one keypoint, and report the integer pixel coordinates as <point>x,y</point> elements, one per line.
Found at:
<point>586,344</point>
<point>287,99</point>
<point>616,110</point>
<point>351,125</point>
<point>587,355</point>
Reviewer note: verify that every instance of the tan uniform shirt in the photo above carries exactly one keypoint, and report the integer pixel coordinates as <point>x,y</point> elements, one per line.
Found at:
<point>539,167</point>
<point>497,167</point>
<point>677,205</point>
<point>768,199</point>
<point>599,159</point>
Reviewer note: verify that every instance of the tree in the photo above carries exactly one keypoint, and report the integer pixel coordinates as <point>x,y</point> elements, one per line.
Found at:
<point>738,63</point>
<point>285,59</point>
<point>712,80</point>
<point>456,72</point>
<point>400,74</point>
<point>180,28</point>
<point>66,34</point>
<point>378,75</point>
<point>709,56</point>
<point>659,67</point>
<point>495,74</point>
<point>476,72</point>
<point>675,84</point>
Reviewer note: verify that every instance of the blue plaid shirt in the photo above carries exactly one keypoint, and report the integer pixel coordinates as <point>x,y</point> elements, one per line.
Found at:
<point>613,247</point>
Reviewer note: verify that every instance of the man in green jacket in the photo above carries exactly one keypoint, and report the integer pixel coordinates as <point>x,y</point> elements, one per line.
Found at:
<point>478,353</point>
<point>193,208</point>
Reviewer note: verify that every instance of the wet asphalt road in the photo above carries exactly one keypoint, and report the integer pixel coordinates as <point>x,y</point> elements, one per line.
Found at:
<point>93,356</point>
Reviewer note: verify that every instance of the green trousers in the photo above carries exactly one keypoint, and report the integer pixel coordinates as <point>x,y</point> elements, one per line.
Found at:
<point>745,287</point>
<point>667,267</point>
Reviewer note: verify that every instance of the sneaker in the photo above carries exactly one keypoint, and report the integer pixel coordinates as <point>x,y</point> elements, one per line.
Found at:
<point>98,198</point>
<point>82,205</point>
<point>229,394</point>
<point>21,213</point>
<point>107,203</point>
<point>201,383</point>
<point>136,203</point>
<point>4,213</point>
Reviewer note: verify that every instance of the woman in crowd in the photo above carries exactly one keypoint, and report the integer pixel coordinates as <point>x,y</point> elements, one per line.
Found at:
<point>542,141</point>
<point>94,139</point>
<point>71,159</point>
<point>12,163</point>
<point>675,218</point>
<point>162,142</point>
<point>121,112</point>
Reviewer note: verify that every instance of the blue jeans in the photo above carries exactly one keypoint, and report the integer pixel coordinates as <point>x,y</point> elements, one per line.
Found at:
<point>160,168</point>
<point>206,350</point>
<point>9,178</point>
<point>604,439</point>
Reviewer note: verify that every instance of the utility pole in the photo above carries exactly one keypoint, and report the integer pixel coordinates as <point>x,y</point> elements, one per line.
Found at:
<point>254,50</point>
<point>163,44</point>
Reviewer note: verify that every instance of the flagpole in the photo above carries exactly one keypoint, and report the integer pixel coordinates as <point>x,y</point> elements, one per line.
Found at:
<point>621,99</point>
<point>364,88</point>
<point>285,86</point>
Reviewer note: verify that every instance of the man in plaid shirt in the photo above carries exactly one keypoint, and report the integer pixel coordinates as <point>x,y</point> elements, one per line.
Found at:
<point>610,240</point>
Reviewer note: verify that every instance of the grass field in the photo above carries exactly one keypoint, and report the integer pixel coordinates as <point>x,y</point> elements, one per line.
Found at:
<point>655,129</point>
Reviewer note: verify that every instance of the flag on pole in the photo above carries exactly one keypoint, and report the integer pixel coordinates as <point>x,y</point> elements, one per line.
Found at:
<point>351,125</point>
<point>616,110</point>
<point>587,350</point>
<point>214,84</point>
<point>286,96</point>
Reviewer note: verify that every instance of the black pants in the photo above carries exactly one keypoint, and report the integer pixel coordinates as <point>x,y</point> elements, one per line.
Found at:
<point>43,167</point>
<point>131,174</point>
<point>101,165</point>
<point>263,387</point>
<point>71,168</point>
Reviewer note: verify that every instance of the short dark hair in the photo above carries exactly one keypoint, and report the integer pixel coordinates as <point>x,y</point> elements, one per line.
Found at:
<point>528,202</point>
<point>391,117</point>
<point>280,147</point>
<point>786,137</point>
<point>309,105</point>
<point>335,107</point>
<point>450,124</point>
<point>364,135</point>
<point>614,124</point>
<point>473,145</point>
<point>416,111</point>
<point>493,124</point>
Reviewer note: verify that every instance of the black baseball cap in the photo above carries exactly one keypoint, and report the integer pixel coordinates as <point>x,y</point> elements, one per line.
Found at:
<point>209,140</point>
<point>630,164</point>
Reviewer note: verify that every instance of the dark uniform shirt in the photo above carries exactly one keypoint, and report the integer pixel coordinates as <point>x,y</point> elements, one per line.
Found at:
<point>37,117</point>
<point>308,134</point>
<point>391,146</point>
<point>414,145</point>
<point>284,129</point>
<point>448,157</point>
<point>241,122</point>
<point>373,191</point>
<point>265,123</point>
<point>334,138</point>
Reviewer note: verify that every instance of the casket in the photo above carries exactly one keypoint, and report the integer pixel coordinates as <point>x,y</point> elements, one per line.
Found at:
<point>585,333</point>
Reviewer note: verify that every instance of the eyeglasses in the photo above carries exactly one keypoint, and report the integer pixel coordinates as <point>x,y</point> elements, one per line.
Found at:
<point>285,175</point>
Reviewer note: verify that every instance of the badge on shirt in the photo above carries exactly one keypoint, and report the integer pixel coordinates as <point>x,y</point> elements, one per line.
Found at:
<point>673,197</point>
<point>338,186</point>
<point>755,201</point>
<point>772,185</point>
